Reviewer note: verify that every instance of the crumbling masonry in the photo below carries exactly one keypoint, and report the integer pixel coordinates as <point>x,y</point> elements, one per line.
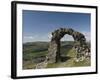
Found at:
<point>54,54</point>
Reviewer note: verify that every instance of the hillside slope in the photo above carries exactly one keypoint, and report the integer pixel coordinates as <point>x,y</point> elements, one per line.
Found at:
<point>35,52</point>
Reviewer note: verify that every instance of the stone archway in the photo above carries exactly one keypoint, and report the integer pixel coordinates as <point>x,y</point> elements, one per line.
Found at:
<point>54,54</point>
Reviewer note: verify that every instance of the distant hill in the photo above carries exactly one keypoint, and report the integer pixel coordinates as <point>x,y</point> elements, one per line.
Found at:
<point>41,46</point>
<point>33,52</point>
<point>35,47</point>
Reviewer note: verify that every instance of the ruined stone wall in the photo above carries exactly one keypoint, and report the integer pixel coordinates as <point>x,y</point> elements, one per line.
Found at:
<point>54,46</point>
<point>54,54</point>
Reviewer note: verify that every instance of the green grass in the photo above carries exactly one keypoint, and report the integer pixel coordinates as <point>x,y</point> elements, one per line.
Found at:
<point>28,65</point>
<point>70,62</point>
<point>31,50</point>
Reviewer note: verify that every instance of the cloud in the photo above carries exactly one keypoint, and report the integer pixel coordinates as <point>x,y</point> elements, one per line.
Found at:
<point>87,35</point>
<point>29,37</point>
<point>67,38</point>
<point>34,38</point>
<point>49,35</point>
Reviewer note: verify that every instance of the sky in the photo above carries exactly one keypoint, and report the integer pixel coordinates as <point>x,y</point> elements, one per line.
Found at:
<point>38,25</point>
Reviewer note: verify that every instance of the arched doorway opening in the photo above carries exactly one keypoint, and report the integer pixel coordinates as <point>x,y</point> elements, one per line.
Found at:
<point>66,47</point>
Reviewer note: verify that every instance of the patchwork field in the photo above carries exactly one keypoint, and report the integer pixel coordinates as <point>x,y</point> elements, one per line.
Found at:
<point>35,52</point>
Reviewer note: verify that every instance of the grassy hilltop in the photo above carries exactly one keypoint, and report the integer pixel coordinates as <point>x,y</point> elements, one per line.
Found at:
<point>34,50</point>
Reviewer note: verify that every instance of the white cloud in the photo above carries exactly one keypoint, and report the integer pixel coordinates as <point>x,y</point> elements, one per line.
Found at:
<point>29,37</point>
<point>33,38</point>
<point>87,35</point>
<point>49,35</point>
<point>67,38</point>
